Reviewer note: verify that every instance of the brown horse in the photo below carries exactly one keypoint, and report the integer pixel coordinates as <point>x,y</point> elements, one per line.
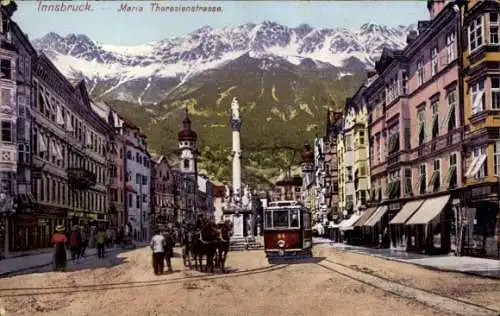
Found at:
<point>226,230</point>
<point>204,244</point>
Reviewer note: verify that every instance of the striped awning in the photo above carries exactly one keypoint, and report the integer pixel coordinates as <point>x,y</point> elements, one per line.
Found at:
<point>429,210</point>
<point>376,217</point>
<point>406,212</point>
<point>365,216</point>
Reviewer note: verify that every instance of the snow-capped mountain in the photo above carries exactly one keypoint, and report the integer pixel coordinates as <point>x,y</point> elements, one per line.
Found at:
<point>111,71</point>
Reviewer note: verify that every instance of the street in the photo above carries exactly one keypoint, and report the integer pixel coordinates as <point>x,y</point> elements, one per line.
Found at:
<point>337,282</point>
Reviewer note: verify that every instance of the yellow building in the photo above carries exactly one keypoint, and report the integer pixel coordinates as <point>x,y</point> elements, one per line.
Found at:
<point>481,99</point>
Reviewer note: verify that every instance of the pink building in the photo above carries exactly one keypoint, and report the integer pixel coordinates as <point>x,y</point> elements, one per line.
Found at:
<point>416,136</point>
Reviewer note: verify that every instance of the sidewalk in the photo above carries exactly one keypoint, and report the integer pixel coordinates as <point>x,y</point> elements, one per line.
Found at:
<point>43,258</point>
<point>469,265</point>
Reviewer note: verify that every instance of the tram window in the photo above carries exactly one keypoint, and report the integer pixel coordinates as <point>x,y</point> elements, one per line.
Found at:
<point>306,220</point>
<point>269,219</point>
<point>280,218</point>
<point>294,218</point>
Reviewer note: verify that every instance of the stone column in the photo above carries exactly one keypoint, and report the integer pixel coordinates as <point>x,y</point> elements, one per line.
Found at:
<point>236,128</point>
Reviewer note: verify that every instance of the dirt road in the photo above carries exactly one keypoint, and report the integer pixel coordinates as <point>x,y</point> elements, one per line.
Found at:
<point>126,285</point>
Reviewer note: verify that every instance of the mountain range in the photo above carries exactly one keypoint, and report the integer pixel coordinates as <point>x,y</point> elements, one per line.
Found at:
<point>285,78</point>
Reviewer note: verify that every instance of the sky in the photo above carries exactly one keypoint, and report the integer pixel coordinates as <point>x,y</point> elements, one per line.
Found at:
<point>105,25</point>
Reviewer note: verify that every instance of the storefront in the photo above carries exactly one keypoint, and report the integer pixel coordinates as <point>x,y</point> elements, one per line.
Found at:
<point>375,228</point>
<point>362,236</point>
<point>397,230</point>
<point>34,229</point>
<point>481,221</point>
<point>428,229</point>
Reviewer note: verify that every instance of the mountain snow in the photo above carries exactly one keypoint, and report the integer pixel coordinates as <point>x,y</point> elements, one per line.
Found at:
<point>77,56</point>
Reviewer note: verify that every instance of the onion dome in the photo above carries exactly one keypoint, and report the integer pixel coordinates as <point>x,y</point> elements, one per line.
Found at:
<point>187,134</point>
<point>307,154</point>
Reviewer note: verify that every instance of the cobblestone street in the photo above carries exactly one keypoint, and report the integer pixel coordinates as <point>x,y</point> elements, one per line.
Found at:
<point>337,281</point>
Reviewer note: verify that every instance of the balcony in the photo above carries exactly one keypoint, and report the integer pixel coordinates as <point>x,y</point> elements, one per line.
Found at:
<point>81,178</point>
<point>8,158</point>
<point>440,143</point>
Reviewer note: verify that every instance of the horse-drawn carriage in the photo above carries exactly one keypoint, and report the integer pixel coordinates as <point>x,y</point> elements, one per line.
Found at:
<point>287,231</point>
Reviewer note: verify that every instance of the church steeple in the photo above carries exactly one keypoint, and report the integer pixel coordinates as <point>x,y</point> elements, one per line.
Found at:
<point>187,146</point>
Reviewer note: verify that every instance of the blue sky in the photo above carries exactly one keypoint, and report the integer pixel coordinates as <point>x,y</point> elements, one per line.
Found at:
<point>108,26</point>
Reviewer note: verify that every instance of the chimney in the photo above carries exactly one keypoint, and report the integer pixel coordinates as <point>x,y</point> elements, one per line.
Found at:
<point>412,36</point>
<point>370,73</point>
<point>434,7</point>
<point>422,26</point>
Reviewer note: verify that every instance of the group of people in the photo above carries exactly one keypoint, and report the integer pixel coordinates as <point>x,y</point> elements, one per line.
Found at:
<point>76,242</point>
<point>162,245</point>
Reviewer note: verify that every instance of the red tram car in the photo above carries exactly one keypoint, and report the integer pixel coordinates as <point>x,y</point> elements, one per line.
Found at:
<point>287,231</point>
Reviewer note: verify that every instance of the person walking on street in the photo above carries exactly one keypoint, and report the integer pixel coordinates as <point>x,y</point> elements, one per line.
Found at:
<point>169,248</point>
<point>59,241</point>
<point>158,244</point>
<point>85,242</point>
<point>75,243</point>
<point>101,242</point>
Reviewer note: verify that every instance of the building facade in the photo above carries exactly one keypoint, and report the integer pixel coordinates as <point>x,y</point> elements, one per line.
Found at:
<point>138,181</point>
<point>288,189</point>
<point>163,192</point>
<point>16,57</point>
<point>333,128</point>
<point>481,63</point>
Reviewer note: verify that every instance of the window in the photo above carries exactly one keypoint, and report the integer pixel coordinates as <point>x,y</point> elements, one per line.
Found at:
<point>138,202</point>
<point>144,180</point>
<point>495,93</point>
<point>482,166</point>
<point>129,155</point>
<point>407,136</point>
<point>423,179</point>
<point>144,198</point>
<point>130,200</point>
<point>494,29</point>
<point>420,71</point>
<point>6,131</point>
<point>348,174</point>
<point>408,189</point>
<point>450,47</point>
<point>451,119</point>
<point>280,218</point>
<point>5,69</point>
<point>405,83</point>
<point>138,179</point>
<point>435,118</point>
<point>436,175</point>
<point>497,158</point>
<point>186,163</point>
<point>476,34</point>
<point>434,61</point>
<point>348,142</point>
<point>477,95</point>
<point>361,138</point>
<point>421,127</point>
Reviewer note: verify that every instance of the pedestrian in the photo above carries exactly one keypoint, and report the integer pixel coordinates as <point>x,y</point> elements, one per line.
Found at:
<point>85,242</point>
<point>158,244</point>
<point>59,241</point>
<point>101,242</point>
<point>169,248</point>
<point>75,242</point>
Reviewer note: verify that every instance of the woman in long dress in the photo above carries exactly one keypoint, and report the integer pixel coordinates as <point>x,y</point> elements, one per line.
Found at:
<point>59,240</point>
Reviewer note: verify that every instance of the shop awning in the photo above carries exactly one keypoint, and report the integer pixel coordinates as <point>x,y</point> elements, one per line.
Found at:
<point>365,216</point>
<point>347,223</point>
<point>429,210</point>
<point>376,217</point>
<point>406,212</point>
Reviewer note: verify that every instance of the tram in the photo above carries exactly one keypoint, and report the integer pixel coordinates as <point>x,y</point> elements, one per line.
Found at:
<point>287,231</point>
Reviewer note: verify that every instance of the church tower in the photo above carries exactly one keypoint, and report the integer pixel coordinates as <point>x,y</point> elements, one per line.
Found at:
<point>187,147</point>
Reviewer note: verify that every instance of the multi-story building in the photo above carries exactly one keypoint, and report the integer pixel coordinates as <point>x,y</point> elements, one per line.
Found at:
<point>163,193</point>
<point>415,93</point>
<point>308,190</point>
<point>138,181</point>
<point>481,104</point>
<point>288,189</point>
<point>205,197</point>
<point>320,181</point>
<point>16,57</point>
<point>69,149</point>
<point>333,128</point>
<point>341,175</point>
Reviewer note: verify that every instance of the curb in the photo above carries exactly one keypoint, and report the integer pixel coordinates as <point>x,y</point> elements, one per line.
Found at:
<point>428,267</point>
<point>5,274</point>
